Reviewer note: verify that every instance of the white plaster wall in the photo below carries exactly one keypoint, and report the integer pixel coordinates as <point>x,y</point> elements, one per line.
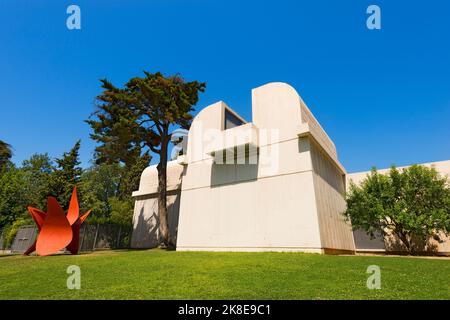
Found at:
<point>268,206</point>
<point>209,118</point>
<point>278,106</point>
<point>274,213</point>
<point>149,179</point>
<point>146,220</point>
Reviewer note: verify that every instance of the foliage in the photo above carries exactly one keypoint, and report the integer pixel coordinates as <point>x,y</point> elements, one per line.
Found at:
<point>13,196</point>
<point>24,186</point>
<point>413,204</point>
<point>98,184</point>
<point>37,173</point>
<point>66,175</point>
<point>5,154</point>
<point>121,211</point>
<point>131,176</point>
<point>138,118</point>
<point>10,231</point>
<point>104,188</point>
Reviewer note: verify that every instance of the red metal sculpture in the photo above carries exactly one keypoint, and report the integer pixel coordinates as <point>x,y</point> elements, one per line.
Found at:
<point>56,230</point>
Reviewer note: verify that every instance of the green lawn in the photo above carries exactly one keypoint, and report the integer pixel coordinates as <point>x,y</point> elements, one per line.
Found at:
<point>157,274</point>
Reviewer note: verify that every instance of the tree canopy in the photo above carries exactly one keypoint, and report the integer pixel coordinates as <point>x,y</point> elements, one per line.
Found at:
<point>5,154</point>
<point>138,118</point>
<point>413,204</point>
<point>66,175</point>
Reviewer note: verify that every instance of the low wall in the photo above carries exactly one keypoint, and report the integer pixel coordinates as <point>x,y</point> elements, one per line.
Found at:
<point>92,237</point>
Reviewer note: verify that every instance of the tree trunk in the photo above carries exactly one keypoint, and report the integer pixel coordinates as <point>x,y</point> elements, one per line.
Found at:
<point>162,194</point>
<point>405,239</point>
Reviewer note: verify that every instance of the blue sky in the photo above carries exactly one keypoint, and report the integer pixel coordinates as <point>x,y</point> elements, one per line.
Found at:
<point>383,96</point>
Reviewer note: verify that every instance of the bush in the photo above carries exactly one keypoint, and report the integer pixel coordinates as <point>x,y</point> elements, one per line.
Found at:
<point>10,231</point>
<point>121,212</point>
<point>412,204</point>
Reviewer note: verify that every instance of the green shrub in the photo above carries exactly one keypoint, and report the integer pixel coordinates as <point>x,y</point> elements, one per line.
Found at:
<point>11,231</point>
<point>412,203</point>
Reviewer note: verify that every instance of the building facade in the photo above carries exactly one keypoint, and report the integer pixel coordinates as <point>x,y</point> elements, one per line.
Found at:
<point>272,184</point>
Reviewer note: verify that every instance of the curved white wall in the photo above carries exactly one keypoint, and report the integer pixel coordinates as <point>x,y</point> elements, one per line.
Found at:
<point>270,205</point>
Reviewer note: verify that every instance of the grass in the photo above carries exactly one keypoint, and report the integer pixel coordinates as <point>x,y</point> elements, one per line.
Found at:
<point>158,274</point>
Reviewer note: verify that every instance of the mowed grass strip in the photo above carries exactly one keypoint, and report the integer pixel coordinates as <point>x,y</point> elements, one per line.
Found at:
<point>159,274</point>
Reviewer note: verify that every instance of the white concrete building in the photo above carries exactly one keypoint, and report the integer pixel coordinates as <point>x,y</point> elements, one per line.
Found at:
<point>272,184</point>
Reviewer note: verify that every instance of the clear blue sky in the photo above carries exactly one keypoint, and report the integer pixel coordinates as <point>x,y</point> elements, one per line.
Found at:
<point>382,96</point>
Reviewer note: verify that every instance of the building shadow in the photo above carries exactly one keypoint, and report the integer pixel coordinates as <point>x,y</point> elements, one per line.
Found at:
<point>427,247</point>
<point>234,173</point>
<point>146,233</point>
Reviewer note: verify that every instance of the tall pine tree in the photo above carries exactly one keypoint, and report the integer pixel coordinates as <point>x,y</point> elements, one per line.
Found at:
<point>5,154</point>
<point>66,175</point>
<point>140,117</point>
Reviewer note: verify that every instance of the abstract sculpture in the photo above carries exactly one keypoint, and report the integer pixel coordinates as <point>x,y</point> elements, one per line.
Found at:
<point>56,230</point>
